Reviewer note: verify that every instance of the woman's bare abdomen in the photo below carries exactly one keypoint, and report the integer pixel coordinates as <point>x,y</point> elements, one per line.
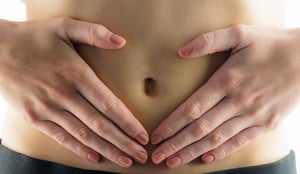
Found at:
<point>147,74</point>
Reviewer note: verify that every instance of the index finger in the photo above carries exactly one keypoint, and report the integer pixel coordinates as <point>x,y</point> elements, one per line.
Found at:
<point>194,107</point>
<point>232,38</point>
<point>96,92</point>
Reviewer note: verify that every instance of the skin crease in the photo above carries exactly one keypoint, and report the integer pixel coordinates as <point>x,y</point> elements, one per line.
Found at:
<point>254,100</point>
<point>42,87</point>
<point>139,102</point>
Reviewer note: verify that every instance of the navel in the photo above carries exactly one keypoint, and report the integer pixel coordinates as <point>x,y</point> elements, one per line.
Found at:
<point>149,87</point>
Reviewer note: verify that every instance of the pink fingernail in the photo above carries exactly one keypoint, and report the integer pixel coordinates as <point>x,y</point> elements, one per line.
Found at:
<point>125,161</point>
<point>93,157</point>
<point>159,157</point>
<point>186,50</point>
<point>117,39</point>
<point>174,162</point>
<point>155,139</point>
<point>142,138</point>
<point>141,157</point>
<point>208,158</point>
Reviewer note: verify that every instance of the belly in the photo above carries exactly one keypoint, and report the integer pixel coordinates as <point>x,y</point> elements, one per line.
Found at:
<point>147,74</point>
<point>147,78</point>
<point>154,30</point>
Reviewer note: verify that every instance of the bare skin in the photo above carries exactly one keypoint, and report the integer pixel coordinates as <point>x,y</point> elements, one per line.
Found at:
<point>147,74</point>
<point>247,97</point>
<point>77,107</point>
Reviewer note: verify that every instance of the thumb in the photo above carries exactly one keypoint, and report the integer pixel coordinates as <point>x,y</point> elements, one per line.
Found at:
<point>233,38</point>
<point>89,33</point>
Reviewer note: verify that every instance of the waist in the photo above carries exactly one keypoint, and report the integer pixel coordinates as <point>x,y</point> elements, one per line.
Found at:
<point>147,75</point>
<point>20,137</point>
<point>8,159</point>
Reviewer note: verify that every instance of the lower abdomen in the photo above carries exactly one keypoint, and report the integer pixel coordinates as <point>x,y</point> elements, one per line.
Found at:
<point>147,74</point>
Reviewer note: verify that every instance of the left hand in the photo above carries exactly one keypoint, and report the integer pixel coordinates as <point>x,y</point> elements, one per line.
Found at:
<point>249,95</point>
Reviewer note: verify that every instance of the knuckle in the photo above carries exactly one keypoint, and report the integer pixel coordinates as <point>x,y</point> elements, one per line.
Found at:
<point>70,73</point>
<point>107,106</point>
<point>218,138</point>
<point>256,112</point>
<point>272,122</point>
<point>231,80</point>
<point>241,141</point>
<point>80,151</point>
<point>99,126</point>
<point>92,33</point>
<point>82,134</point>
<point>110,151</point>
<point>209,40</point>
<point>62,21</point>
<point>60,137</point>
<point>242,100</point>
<point>129,146</point>
<point>249,98</point>
<point>240,30</point>
<point>34,111</point>
<point>193,112</point>
<point>201,128</point>
<point>222,152</point>
<point>55,92</point>
<point>191,153</point>
<point>96,30</point>
<point>170,130</point>
<point>130,127</point>
<point>30,116</point>
<point>172,146</point>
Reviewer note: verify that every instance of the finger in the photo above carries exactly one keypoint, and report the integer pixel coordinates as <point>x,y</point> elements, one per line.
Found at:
<point>66,140</point>
<point>100,125</point>
<point>233,38</point>
<point>213,140</point>
<point>195,131</point>
<point>193,151</point>
<point>82,133</point>
<point>194,107</point>
<point>94,91</point>
<point>232,145</point>
<point>89,33</point>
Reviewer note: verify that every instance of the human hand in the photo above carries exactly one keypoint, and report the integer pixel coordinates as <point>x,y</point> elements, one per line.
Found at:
<point>249,95</point>
<point>43,77</point>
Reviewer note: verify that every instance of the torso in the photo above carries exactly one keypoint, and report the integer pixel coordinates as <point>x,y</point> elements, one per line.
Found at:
<point>154,30</point>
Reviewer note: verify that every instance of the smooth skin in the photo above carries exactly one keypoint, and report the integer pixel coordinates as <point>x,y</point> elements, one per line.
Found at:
<point>64,98</point>
<point>248,96</point>
<point>79,84</point>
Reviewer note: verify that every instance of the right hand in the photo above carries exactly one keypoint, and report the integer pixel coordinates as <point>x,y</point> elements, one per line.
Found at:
<point>43,78</point>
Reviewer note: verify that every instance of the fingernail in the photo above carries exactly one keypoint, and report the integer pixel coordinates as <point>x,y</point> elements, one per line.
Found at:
<point>142,138</point>
<point>125,161</point>
<point>155,139</point>
<point>159,157</point>
<point>117,39</point>
<point>93,157</point>
<point>141,157</point>
<point>208,158</point>
<point>186,50</point>
<point>174,162</point>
